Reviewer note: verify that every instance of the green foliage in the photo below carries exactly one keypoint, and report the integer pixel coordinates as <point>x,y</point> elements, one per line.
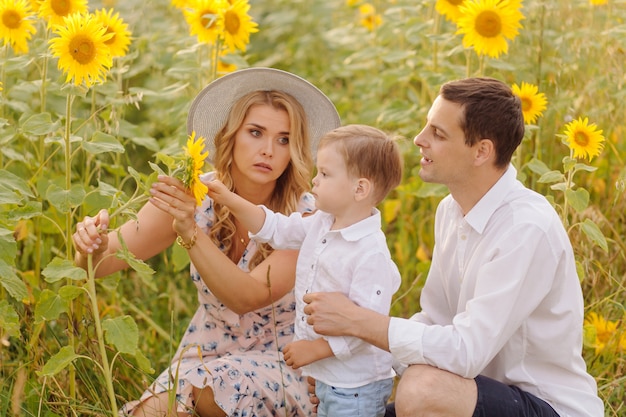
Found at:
<point>65,338</point>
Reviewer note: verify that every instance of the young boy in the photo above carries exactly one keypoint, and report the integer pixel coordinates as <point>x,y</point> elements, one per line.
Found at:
<point>342,248</point>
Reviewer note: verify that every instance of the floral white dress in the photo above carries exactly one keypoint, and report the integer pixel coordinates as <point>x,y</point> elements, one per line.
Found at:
<point>236,356</point>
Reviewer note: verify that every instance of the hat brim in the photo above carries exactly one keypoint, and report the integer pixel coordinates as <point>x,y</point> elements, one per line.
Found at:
<point>210,108</point>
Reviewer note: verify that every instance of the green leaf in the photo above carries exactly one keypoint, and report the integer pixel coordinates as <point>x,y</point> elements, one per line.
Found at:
<point>11,282</point>
<point>142,268</point>
<point>143,362</point>
<point>101,142</point>
<point>59,361</point>
<point>579,199</point>
<point>70,292</point>
<point>122,332</point>
<point>63,200</point>
<point>8,246</point>
<point>28,211</point>
<point>593,232</point>
<point>551,176</point>
<point>60,268</point>
<point>179,258</point>
<point>13,182</point>
<point>9,320</point>
<point>49,306</point>
<point>40,124</point>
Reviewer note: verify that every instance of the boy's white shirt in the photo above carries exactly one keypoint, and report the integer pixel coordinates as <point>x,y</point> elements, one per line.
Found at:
<point>355,261</point>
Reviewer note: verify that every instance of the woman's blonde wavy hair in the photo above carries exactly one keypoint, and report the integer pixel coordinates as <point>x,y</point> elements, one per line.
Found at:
<point>290,186</point>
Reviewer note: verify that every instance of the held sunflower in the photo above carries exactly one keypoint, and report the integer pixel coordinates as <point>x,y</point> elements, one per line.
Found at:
<point>193,163</point>
<point>237,26</point>
<point>584,139</point>
<point>486,25</point>
<point>54,11</point>
<point>16,24</point>
<point>82,50</point>
<point>533,102</point>
<point>120,40</point>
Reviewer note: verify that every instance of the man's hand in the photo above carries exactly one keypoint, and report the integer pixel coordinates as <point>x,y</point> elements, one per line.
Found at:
<point>330,313</point>
<point>334,314</point>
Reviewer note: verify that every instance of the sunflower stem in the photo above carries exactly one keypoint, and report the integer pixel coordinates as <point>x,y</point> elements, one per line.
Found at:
<point>68,227</point>
<point>91,289</point>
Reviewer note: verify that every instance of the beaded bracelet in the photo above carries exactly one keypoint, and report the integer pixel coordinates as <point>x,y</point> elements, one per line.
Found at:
<point>192,242</point>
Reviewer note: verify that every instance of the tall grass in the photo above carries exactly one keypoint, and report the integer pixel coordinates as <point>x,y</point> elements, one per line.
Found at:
<point>574,51</point>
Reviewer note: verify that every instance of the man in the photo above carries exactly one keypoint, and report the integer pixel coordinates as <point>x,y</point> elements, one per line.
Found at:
<point>500,331</point>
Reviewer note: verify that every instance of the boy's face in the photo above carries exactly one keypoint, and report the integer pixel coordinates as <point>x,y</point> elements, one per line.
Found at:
<point>333,186</point>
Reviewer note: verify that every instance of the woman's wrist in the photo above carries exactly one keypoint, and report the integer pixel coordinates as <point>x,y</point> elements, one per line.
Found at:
<point>188,245</point>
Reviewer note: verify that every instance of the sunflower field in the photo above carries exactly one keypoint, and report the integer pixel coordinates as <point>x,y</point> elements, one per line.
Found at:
<point>93,103</point>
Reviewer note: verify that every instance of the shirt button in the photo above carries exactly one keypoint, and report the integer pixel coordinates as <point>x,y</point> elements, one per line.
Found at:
<point>378,292</point>
<point>302,318</point>
<point>323,240</point>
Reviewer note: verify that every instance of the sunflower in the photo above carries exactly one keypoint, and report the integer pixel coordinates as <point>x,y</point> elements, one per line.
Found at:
<point>598,331</point>
<point>369,18</point>
<point>598,2</point>
<point>114,24</point>
<point>533,103</point>
<point>81,48</point>
<point>16,24</point>
<point>53,11</point>
<point>449,9</point>
<point>237,26</point>
<point>193,163</point>
<point>205,19</point>
<point>487,24</point>
<point>224,67</point>
<point>584,138</point>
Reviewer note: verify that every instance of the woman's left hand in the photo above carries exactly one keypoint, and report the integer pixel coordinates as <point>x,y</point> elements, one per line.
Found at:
<point>170,195</point>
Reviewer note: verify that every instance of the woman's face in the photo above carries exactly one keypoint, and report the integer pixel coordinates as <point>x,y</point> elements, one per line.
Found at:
<point>261,149</point>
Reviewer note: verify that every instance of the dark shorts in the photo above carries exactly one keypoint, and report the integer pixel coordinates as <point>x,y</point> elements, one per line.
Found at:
<point>496,399</point>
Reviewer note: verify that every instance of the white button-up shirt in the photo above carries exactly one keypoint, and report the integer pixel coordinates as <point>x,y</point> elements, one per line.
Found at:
<point>355,261</point>
<point>503,299</point>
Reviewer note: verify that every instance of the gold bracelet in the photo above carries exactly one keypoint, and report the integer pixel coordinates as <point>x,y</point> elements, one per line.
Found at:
<point>192,242</point>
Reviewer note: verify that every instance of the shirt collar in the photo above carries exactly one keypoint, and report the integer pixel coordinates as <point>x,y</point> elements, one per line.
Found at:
<point>480,214</point>
<point>362,228</point>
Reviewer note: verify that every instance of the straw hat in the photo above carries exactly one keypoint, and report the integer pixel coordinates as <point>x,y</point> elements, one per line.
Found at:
<point>211,107</point>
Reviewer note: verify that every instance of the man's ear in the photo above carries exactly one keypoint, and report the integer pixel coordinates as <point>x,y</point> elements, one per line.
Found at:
<point>485,152</point>
<point>363,189</point>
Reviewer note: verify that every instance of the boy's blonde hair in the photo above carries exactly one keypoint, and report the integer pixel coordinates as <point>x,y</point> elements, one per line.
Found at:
<point>368,153</point>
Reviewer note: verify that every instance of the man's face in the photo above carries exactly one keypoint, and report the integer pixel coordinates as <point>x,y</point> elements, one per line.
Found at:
<point>445,157</point>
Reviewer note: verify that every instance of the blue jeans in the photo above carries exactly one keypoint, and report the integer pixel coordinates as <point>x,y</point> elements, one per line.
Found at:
<point>365,401</point>
<point>496,399</point>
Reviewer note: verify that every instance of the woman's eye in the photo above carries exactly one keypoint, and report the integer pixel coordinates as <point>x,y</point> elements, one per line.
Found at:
<point>255,132</point>
<point>283,140</point>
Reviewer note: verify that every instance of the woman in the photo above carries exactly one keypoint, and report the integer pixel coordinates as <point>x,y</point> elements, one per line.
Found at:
<point>263,123</point>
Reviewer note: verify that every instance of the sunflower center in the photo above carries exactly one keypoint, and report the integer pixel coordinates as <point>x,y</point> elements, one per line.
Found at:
<point>232,22</point>
<point>527,104</point>
<point>581,139</point>
<point>82,49</point>
<point>488,24</point>
<point>61,7</point>
<point>455,2</point>
<point>11,19</point>
<point>208,19</point>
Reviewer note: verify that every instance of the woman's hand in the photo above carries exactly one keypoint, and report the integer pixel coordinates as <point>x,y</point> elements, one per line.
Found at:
<point>91,235</point>
<point>170,196</point>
